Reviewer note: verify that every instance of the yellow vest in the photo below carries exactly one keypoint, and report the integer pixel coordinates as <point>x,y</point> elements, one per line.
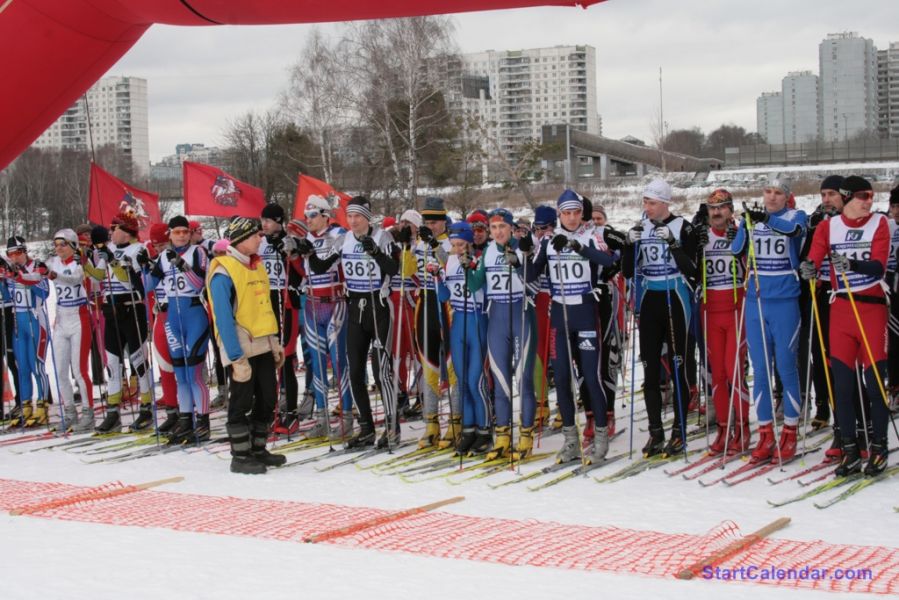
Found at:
<point>254,310</point>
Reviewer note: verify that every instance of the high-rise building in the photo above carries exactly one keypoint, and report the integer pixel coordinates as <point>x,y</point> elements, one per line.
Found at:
<point>799,93</point>
<point>769,115</point>
<point>115,109</point>
<point>847,86</point>
<point>526,89</point>
<point>888,91</point>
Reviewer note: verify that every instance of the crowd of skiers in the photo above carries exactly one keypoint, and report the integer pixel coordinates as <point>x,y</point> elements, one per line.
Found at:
<point>486,311</point>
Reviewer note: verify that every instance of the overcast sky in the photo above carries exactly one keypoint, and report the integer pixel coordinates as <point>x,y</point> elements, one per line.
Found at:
<point>716,56</point>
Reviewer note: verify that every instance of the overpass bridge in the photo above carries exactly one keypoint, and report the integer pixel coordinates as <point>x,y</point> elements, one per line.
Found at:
<point>601,157</point>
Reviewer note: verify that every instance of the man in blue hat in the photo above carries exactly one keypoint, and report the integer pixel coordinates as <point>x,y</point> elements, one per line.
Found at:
<point>544,224</point>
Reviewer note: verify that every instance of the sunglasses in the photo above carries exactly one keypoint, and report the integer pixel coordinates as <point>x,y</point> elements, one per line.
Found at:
<point>60,244</point>
<point>180,231</point>
<point>865,195</point>
<point>14,252</point>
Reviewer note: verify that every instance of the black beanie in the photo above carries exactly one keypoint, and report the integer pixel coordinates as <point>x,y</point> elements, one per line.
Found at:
<point>99,235</point>
<point>894,195</point>
<point>179,221</point>
<point>16,242</point>
<point>832,182</point>
<point>587,213</point>
<point>274,212</point>
<point>359,205</point>
<point>853,184</point>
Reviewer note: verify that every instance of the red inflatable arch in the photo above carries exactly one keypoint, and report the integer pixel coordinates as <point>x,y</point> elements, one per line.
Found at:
<point>54,50</point>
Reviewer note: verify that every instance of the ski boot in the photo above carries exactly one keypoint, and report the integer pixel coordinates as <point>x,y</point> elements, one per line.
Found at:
<point>588,432</point>
<point>610,422</point>
<point>345,430</point>
<point>18,413</point>
<point>525,445</point>
<point>502,444</point>
<point>304,411</point>
<point>693,405</point>
<point>542,416</point>
<point>70,415</point>
<point>877,463</point>
<point>787,445</point>
<point>221,399</point>
<point>851,461</point>
<point>656,443</point>
<point>144,419</point>
<point>717,446</point>
<point>413,411</point>
<point>86,422</point>
<point>466,441</point>
<point>365,437</point>
<point>675,445</point>
<point>741,439</point>
<point>483,441</point>
<point>242,461</point>
<point>171,418</point>
<point>765,448</point>
<point>202,431</point>
<point>451,436</point>
<point>288,423</point>
<point>39,416</point>
<point>822,416</point>
<point>321,427</point>
<point>112,423</point>
<point>431,434</point>
<point>557,422</point>
<point>389,439</point>
<point>599,450</point>
<point>571,448</point>
<point>183,431</point>
<point>258,450</point>
<point>835,452</point>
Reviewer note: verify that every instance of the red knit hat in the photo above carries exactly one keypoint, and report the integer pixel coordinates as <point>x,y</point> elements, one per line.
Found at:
<point>159,233</point>
<point>126,221</point>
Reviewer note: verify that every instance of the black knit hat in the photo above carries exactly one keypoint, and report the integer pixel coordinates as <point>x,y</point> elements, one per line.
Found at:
<point>179,221</point>
<point>853,184</point>
<point>16,244</point>
<point>832,182</point>
<point>99,235</point>
<point>894,195</point>
<point>241,228</point>
<point>274,212</point>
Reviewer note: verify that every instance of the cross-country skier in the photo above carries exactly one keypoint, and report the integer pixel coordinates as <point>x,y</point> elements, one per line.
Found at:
<point>572,260</point>
<point>858,242</point>
<point>71,331</point>
<point>772,314</point>
<point>666,269</point>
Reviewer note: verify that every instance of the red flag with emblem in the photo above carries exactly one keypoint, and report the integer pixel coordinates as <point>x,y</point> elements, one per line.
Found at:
<point>109,196</point>
<point>210,192</point>
<point>310,186</point>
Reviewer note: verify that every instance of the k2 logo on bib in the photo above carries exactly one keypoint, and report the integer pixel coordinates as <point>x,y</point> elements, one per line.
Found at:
<point>720,245</point>
<point>854,235</point>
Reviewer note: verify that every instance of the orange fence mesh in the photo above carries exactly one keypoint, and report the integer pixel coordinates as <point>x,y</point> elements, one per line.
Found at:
<point>487,539</point>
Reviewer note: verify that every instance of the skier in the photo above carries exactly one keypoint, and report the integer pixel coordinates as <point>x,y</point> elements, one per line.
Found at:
<point>666,268</point>
<point>284,279</point>
<point>544,225</point>
<point>721,307</point>
<point>892,280</point>
<point>366,255</point>
<point>431,320</point>
<point>29,288</point>
<point>572,260</point>
<point>118,267</point>
<point>182,271</point>
<point>858,242</point>
<point>159,243</point>
<point>510,334</point>
<point>71,331</point>
<point>468,332</point>
<point>247,332</point>
<point>325,313</point>
<point>772,313</point>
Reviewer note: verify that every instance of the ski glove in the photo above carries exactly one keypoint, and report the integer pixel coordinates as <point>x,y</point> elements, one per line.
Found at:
<point>304,247</point>
<point>427,236</point>
<point>241,371</point>
<point>512,258</point>
<point>467,261</point>
<point>756,216</point>
<point>526,243</point>
<point>614,239</point>
<point>817,217</point>
<point>731,233</point>
<point>664,233</point>
<point>807,270</point>
<point>176,260</point>
<point>369,246</point>
<point>703,236</point>
<point>840,262</point>
<point>559,242</point>
<point>575,246</point>
<point>403,235</point>
<point>634,234</point>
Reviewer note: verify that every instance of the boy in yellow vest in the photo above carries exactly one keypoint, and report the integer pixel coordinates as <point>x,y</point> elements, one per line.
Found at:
<point>247,333</point>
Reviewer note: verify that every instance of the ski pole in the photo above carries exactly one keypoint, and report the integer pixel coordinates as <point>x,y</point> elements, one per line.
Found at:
<point>681,409</point>
<point>634,326</point>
